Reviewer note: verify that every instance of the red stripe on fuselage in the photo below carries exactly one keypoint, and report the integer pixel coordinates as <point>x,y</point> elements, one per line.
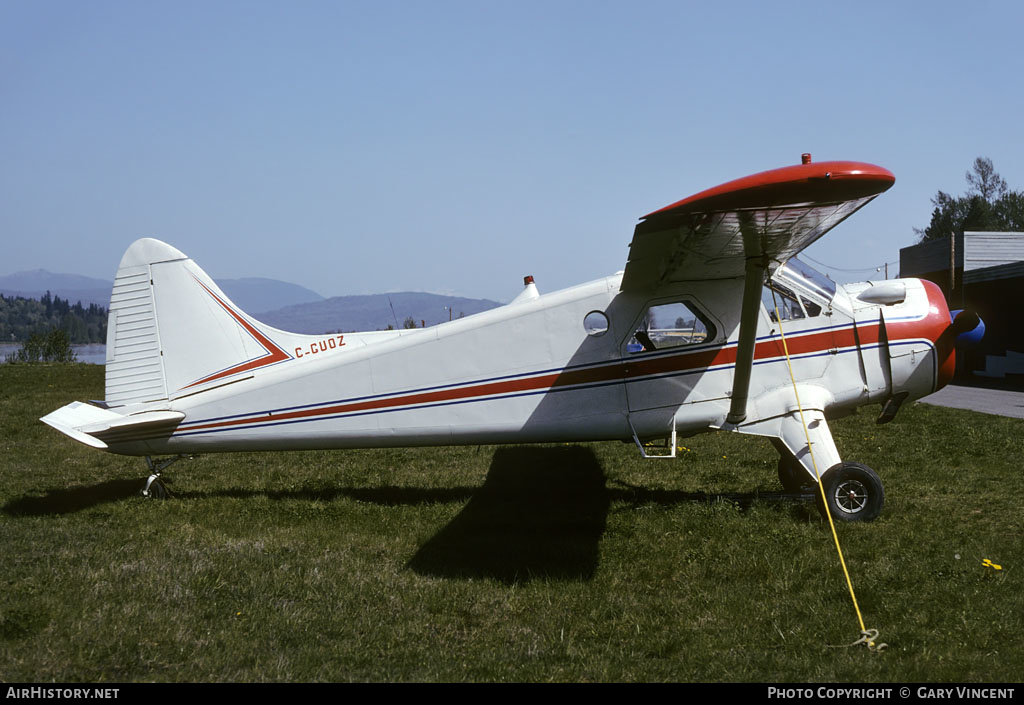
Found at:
<point>625,370</point>
<point>274,353</point>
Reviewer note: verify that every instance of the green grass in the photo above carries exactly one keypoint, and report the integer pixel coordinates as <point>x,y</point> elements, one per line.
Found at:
<point>556,563</point>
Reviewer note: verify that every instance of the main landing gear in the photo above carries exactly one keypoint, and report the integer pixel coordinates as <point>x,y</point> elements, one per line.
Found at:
<point>155,487</point>
<point>853,491</point>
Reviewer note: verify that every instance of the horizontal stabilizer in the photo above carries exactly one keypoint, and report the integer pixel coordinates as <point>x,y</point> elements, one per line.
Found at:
<point>97,427</point>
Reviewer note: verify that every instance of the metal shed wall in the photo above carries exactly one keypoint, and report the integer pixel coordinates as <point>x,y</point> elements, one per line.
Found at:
<point>991,249</point>
<point>931,256</point>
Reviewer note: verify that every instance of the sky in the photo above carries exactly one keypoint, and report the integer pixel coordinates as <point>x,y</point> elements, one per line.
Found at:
<point>453,147</point>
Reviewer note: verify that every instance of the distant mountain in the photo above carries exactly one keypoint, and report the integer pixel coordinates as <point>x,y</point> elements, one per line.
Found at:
<point>71,287</point>
<point>283,305</point>
<point>254,295</point>
<point>373,312</point>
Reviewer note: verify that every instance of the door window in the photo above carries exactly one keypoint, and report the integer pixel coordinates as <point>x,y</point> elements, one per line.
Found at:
<point>670,325</point>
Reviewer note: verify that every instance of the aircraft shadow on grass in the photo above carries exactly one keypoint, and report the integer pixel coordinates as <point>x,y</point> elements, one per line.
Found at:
<point>68,501</point>
<point>540,513</point>
<point>74,499</point>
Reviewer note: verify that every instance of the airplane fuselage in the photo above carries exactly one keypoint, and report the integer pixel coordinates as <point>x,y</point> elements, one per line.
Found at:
<point>536,374</point>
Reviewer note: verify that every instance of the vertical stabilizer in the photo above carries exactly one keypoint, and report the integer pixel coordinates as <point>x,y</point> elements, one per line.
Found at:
<point>173,332</point>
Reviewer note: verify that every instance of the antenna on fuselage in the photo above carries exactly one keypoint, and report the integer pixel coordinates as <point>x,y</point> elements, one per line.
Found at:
<point>393,313</point>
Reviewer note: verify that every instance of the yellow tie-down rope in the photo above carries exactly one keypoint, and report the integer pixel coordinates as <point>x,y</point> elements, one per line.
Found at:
<point>867,636</point>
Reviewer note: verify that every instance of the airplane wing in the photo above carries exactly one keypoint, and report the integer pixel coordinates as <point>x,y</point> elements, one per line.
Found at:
<point>769,216</point>
<point>747,228</point>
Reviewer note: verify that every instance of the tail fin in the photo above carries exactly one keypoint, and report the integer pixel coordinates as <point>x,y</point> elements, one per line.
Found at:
<point>172,331</point>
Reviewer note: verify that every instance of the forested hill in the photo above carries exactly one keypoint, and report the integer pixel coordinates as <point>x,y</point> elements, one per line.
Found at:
<point>21,317</point>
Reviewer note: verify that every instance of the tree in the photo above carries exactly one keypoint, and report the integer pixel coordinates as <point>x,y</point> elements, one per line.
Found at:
<point>52,346</point>
<point>985,182</point>
<point>21,317</point>
<point>988,205</point>
<point>1009,210</point>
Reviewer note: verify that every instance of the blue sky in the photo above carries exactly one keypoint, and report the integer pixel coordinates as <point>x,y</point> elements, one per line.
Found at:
<point>453,147</point>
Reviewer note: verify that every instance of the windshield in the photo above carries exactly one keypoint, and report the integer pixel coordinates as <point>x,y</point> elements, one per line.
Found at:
<point>801,276</point>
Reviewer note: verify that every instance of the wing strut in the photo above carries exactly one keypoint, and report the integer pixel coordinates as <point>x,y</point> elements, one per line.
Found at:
<point>753,281</point>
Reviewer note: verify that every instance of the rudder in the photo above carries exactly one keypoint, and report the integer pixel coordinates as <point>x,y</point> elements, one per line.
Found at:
<point>134,358</point>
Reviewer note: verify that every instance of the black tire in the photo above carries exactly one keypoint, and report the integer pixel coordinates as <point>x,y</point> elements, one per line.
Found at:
<point>157,490</point>
<point>792,475</point>
<point>853,492</point>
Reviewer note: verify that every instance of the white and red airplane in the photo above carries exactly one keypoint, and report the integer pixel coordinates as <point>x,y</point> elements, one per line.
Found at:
<point>689,338</point>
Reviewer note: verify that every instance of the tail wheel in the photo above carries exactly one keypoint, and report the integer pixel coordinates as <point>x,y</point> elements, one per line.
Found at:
<point>853,492</point>
<point>158,490</point>
<point>155,488</point>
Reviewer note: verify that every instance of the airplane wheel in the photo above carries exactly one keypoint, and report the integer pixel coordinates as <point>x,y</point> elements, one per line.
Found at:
<point>157,490</point>
<point>853,492</point>
<point>793,476</point>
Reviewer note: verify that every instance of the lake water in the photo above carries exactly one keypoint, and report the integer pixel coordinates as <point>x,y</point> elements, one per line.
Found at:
<point>94,353</point>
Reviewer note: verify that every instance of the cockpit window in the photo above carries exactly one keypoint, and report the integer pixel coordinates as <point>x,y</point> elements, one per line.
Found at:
<point>799,291</point>
<point>790,305</point>
<point>799,276</point>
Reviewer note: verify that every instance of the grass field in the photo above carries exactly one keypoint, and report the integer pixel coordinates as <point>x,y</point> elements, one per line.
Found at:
<point>556,563</point>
